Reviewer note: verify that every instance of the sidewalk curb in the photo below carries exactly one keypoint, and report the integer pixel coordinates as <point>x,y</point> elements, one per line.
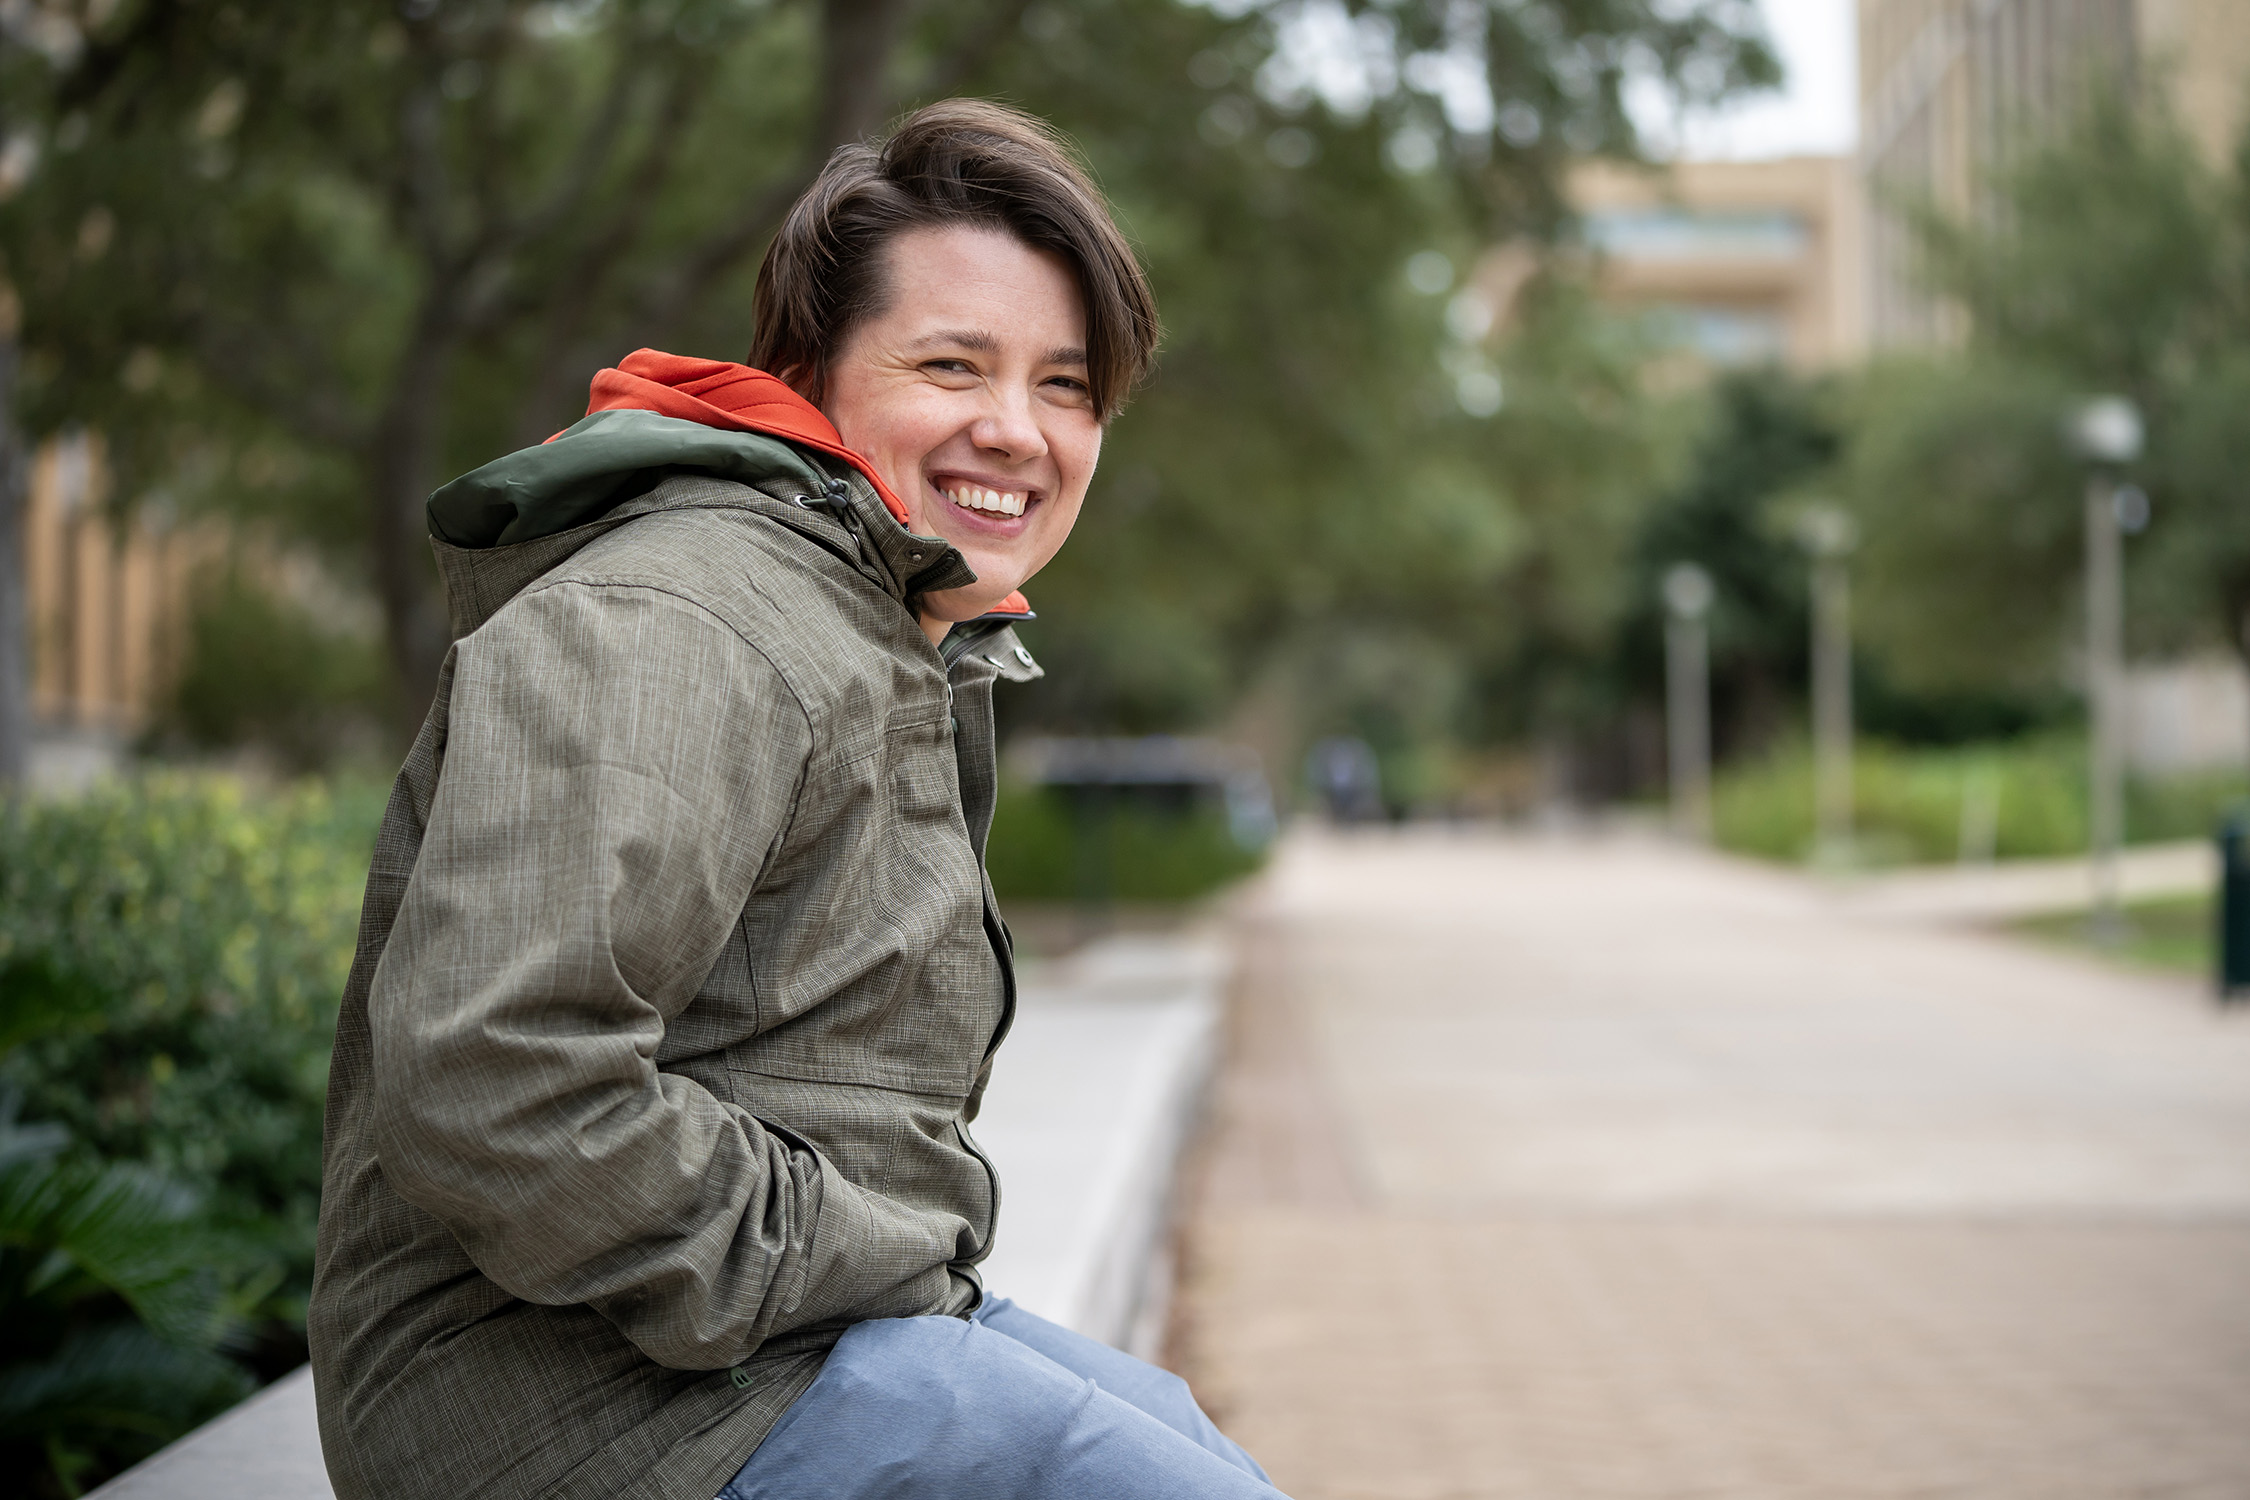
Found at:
<point>1093,1098</point>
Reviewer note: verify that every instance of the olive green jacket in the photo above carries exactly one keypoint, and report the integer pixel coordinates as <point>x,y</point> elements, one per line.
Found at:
<point>678,982</point>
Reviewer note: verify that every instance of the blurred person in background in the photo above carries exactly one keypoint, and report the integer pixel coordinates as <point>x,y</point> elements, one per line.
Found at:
<point>1344,771</point>
<point>648,1170</point>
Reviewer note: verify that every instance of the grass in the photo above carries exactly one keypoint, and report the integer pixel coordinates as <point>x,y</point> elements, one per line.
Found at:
<point>2172,932</point>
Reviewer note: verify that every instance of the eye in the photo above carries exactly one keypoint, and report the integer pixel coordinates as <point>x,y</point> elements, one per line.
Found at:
<point>948,366</point>
<point>1070,384</point>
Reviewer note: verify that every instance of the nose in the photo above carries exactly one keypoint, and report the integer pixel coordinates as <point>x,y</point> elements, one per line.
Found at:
<point>1009,426</point>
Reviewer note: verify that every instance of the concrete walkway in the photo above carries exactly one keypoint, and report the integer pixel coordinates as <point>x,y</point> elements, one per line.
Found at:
<point>1606,1169</point>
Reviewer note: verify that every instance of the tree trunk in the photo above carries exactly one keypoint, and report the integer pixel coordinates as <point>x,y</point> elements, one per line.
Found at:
<point>856,38</point>
<point>402,470</point>
<point>15,633</point>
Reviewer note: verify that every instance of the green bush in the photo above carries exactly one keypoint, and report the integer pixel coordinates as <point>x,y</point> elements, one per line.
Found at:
<point>261,669</point>
<point>1120,848</point>
<point>112,1304</point>
<point>1910,805</point>
<point>171,955</point>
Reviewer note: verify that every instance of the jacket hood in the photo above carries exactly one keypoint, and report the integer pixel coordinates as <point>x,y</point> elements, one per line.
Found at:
<point>653,416</point>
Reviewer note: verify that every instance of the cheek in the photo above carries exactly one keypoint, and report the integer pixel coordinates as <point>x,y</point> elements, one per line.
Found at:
<point>1078,452</point>
<point>892,427</point>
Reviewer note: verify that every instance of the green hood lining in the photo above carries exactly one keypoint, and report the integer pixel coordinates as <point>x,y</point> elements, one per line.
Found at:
<point>596,465</point>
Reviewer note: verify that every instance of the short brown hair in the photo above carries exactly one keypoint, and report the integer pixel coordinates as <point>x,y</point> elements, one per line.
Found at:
<point>961,161</point>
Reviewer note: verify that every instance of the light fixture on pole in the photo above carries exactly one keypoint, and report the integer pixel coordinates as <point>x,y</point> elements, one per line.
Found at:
<point>1829,534</point>
<point>1687,696</point>
<point>2106,432</point>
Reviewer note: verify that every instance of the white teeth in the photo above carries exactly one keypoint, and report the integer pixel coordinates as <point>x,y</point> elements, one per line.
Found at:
<point>974,498</point>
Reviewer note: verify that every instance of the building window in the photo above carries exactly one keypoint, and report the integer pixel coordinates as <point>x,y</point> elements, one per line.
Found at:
<point>1730,336</point>
<point>1697,234</point>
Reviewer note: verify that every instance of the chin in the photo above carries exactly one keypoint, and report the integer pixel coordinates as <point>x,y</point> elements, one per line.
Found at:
<point>997,576</point>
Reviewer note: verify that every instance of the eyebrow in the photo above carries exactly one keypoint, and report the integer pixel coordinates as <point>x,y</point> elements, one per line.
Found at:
<point>984,343</point>
<point>961,338</point>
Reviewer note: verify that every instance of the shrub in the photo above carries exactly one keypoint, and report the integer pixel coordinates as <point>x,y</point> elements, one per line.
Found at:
<point>111,1305</point>
<point>171,954</point>
<point>1912,806</point>
<point>263,670</point>
<point>1046,846</point>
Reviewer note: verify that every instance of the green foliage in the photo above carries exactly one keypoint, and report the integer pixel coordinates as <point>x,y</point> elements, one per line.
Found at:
<point>187,945</point>
<point>1974,532</point>
<point>262,670</point>
<point>1911,805</point>
<point>1768,441</point>
<point>110,1307</point>
<point>2111,258</point>
<point>1045,847</point>
<point>171,953</point>
<point>346,249</point>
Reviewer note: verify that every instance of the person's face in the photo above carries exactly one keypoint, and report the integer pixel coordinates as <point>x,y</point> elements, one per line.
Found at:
<point>968,394</point>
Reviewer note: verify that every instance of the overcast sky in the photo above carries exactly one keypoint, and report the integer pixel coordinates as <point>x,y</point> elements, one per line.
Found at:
<point>1816,111</point>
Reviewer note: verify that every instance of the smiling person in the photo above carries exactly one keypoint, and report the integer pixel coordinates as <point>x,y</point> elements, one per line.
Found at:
<point>648,1162</point>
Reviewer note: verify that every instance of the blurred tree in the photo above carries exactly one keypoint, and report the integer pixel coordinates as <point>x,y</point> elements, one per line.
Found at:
<point>263,669</point>
<point>1973,529</point>
<point>309,260</point>
<point>1338,497</point>
<point>373,241</point>
<point>1768,441</point>
<point>2112,259</point>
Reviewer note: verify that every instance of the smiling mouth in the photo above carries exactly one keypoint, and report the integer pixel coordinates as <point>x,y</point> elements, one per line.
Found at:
<point>988,502</point>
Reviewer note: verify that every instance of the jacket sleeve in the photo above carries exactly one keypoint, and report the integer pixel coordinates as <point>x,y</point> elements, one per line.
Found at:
<point>619,767</point>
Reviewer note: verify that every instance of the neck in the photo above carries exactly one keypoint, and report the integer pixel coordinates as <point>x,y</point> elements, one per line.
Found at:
<point>935,628</point>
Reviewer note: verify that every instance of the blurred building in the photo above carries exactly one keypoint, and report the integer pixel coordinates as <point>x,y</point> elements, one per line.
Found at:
<point>1733,263</point>
<point>1949,88</point>
<point>107,604</point>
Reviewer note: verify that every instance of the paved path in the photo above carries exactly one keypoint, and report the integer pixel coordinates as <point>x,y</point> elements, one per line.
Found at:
<point>1602,1169</point>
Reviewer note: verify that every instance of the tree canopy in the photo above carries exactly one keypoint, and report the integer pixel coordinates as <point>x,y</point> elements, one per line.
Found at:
<point>303,263</point>
<point>2110,258</point>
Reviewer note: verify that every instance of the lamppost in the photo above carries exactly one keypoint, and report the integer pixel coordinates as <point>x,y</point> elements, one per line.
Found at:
<point>1829,534</point>
<point>2106,431</point>
<point>1687,697</point>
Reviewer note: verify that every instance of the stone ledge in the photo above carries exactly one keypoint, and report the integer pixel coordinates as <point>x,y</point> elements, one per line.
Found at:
<point>268,1448</point>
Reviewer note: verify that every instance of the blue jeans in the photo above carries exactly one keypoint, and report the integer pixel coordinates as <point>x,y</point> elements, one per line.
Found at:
<point>1004,1406</point>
